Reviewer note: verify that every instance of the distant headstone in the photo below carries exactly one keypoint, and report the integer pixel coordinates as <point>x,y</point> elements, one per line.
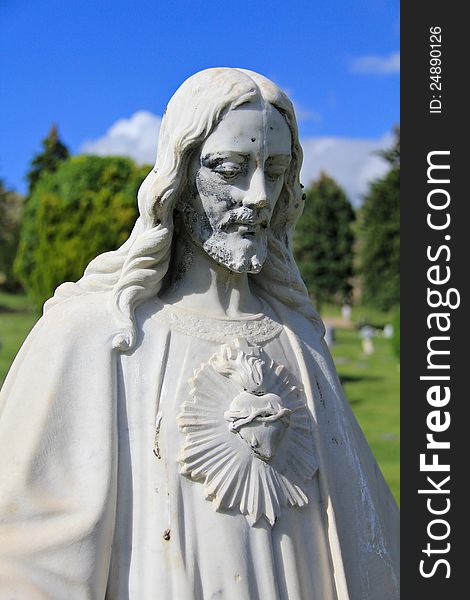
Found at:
<point>346,312</point>
<point>367,334</point>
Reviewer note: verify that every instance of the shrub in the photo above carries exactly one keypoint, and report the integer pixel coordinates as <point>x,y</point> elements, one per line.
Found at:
<point>86,207</point>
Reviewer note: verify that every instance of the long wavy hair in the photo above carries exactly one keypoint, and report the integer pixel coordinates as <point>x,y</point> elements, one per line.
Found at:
<point>135,271</point>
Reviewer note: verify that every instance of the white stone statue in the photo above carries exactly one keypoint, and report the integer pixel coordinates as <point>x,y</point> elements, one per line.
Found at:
<point>173,427</point>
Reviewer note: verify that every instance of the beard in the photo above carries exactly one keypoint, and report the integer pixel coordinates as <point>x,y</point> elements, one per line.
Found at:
<point>238,251</point>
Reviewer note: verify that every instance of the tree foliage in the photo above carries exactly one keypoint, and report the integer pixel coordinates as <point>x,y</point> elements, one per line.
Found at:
<point>381,235</point>
<point>323,241</point>
<point>54,152</point>
<point>86,207</point>
<point>11,205</point>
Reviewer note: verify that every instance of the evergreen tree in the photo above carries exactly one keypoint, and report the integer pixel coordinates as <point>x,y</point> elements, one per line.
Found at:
<point>323,242</point>
<point>10,221</point>
<point>380,224</point>
<point>86,207</point>
<point>54,152</point>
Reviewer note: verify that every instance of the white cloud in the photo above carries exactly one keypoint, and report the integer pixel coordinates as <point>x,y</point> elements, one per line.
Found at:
<point>350,161</point>
<point>376,65</point>
<point>135,137</point>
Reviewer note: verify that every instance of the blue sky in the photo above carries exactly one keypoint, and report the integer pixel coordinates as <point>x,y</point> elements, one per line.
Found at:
<point>90,66</point>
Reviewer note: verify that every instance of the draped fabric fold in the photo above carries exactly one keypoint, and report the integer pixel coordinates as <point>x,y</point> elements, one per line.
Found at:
<point>61,441</point>
<point>57,458</point>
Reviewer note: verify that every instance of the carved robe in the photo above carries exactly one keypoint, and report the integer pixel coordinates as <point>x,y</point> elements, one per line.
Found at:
<point>217,460</point>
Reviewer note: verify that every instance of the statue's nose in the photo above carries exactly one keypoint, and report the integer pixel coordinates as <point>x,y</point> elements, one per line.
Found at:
<point>256,196</point>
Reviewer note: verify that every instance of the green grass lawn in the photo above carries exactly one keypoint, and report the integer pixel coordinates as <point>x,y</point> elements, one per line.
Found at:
<point>17,317</point>
<point>371,383</point>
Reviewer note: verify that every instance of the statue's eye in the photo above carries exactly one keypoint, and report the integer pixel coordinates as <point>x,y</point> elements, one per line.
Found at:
<point>228,170</point>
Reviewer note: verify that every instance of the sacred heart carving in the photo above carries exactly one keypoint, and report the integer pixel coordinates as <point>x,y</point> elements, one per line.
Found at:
<point>260,420</point>
<point>247,434</point>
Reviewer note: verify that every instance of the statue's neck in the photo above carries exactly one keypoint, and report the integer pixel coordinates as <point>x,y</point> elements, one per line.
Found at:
<point>202,285</point>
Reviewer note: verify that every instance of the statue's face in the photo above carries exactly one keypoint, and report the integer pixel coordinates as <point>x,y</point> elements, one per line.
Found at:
<point>238,175</point>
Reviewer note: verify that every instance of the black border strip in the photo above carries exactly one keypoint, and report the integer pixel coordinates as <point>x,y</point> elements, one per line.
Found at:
<point>422,132</point>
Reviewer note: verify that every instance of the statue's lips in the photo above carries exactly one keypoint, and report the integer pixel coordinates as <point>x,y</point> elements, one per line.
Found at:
<point>244,228</point>
<point>248,229</point>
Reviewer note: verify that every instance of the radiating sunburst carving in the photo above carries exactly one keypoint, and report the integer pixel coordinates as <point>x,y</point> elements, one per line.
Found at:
<point>248,434</point>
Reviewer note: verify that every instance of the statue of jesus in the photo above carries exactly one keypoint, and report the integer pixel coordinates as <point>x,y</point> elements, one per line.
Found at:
<point>174,427</point>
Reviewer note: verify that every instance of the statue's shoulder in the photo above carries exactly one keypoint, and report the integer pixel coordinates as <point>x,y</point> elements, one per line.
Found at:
<point>309,331</point>
<point>79,317</point>
<point>76,333</point>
